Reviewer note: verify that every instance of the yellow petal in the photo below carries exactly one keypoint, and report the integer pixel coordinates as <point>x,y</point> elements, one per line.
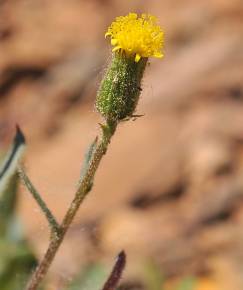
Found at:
<point>158,55</point>
<point>133,15</point>
<point>116,48</point>
<point>114,41</point>
<point>137,57</point>
<point>107,34</point>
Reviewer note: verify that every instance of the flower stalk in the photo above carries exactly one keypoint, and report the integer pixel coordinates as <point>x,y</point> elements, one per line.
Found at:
<point>85,186</point>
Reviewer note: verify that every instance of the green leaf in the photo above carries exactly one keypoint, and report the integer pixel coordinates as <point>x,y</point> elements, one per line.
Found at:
<point>16,264</point>
<point>152,276</point>
<point>9,178</point>
<point>92,278</point>
<point>16,257</point>
<point>188,283</point>
<point>88,156</point>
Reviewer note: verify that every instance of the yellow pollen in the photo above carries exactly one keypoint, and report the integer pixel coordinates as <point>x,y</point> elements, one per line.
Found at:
<point>137,36</point>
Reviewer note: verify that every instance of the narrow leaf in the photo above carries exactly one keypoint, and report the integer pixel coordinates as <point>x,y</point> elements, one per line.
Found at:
<point>88,156</point>
<point>9,179</point>
<point>116,273</point>
<point>9,165</point>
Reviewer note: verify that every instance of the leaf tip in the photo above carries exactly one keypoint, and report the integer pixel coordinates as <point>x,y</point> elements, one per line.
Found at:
<point>19,136</point>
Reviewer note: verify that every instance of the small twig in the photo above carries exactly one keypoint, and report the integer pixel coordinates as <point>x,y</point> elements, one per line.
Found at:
<point>26,181</point>
<point>116,273</point>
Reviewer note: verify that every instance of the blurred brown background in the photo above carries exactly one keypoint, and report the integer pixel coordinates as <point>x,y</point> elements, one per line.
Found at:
<point>170,188</point>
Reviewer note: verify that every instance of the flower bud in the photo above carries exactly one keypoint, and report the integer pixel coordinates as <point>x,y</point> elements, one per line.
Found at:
<point>134,39</point>
<point>119,90</point>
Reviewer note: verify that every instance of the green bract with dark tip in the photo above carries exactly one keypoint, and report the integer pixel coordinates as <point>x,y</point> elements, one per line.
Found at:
<point>120,88</point>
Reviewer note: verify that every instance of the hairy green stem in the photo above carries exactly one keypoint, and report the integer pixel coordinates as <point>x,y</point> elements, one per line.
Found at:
<point>49,216</point>
<point>85,186</point>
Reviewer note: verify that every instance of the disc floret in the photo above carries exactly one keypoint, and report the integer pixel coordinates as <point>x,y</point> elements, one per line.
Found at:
<point>136,36</point>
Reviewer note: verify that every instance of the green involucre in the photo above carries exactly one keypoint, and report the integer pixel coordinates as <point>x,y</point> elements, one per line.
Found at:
<point>120,88</point>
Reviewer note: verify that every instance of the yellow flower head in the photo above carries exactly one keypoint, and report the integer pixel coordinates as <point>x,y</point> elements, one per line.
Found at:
<point>138,36</point>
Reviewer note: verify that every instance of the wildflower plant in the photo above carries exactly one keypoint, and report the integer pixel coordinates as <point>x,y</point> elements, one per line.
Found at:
<point>134,39</point>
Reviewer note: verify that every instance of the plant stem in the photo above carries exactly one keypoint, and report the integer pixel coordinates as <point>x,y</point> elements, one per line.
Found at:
<point>85,186</point>
<point>49,216</point>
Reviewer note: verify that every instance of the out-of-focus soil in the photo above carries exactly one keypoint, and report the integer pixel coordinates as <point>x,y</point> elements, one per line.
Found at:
<point>171,185</point>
